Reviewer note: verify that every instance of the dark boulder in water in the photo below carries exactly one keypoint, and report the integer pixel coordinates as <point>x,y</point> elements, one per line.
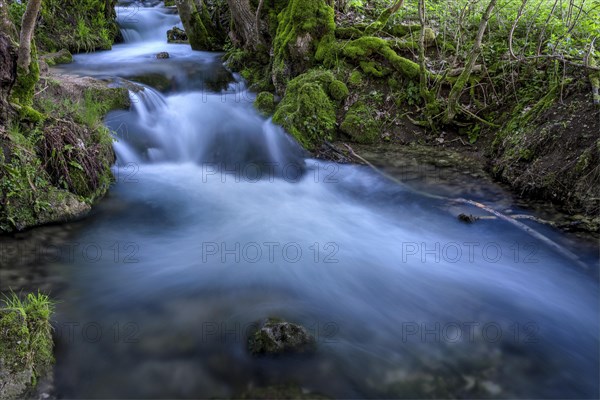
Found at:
<point>177,35</point>
<point>277,337</point>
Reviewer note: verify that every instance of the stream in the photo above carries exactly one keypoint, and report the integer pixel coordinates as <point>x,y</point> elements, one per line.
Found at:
<point>218,220</point>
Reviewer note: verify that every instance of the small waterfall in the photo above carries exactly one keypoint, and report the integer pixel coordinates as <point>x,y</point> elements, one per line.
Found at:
<point>147,103</point>
<point>204,129</point>
<point>276,139</point>
<point>143,24</point>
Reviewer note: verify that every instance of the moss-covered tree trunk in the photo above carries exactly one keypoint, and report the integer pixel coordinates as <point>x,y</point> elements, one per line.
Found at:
<point>463,78</point>
<point>383,19</point>
<point>196,20</point>
<point>8,62</point>
<point>304,25</point>
<point>28,71</point>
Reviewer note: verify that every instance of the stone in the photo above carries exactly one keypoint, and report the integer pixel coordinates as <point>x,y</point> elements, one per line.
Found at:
<point>278,337</point>
<point>177,35</point>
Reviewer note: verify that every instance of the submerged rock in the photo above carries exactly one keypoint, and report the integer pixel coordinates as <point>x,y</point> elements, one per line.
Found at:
<point>278,337</point>
<point>163,55</point>
<point>468,219</point>
<point>281,392</point>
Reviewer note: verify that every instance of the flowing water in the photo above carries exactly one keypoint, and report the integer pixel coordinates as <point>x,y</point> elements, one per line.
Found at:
<point>218,220</point>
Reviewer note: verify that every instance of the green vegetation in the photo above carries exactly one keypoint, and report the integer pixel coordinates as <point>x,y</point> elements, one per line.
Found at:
<point>79,26</point>
<point>486,71</point>
<point>265,103</point>
<point>360,124</point>
<point>307,111</point>
<point>54,168</point>
<point>62,57</point>
<point>303,26</point>
<point>201,32</point>
<point>25,342</point>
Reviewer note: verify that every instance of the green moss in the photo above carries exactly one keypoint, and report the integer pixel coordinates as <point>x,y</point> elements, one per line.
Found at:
<point>379,23</point>
<point>302,25</point>
<point>374,69</point>
<point>356,78</point>
<point>253,66</point>
<point>265,103</point>
<point>393,84</point>
<point>338,90</point>
<point>348,32</point>
<point>399,30</point>
<point>328,51</point>
<point>24,89</point>
<point>202,33</point>
<point>430,36</point>
<point>62,57</point>
<point>25,342</point>
<point>29,114</point>
<point>22,181</point>
<point>360,124</point>
<point>362,51</point>
<point>307,111</point>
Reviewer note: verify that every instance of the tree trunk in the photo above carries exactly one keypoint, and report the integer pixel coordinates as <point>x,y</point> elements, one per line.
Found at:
<point>245,28</point>
<point>424,91</point>
<point>382,21</point>
<point>197,23</point>
<point>298,43</point>
<point>458,87</point>
<point>8,62</point>
<point>27,29</point>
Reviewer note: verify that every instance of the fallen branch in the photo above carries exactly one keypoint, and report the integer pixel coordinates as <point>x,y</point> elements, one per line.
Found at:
<point>470,114</point>
<point>544,239</point>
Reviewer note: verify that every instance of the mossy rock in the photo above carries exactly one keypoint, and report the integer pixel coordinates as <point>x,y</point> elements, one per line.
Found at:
<point>279,337</point>
<point>25,344</point>
<point>265,103</point>
<point>430,37</point>
<point>356,78</point>
<point>338,90</point>
<point>177,35</point>
<point>360,124</point>
<point>51,171</point>
<point>307,110</point>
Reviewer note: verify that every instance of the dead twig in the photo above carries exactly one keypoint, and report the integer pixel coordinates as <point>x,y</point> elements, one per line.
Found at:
<point>514,222</point>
